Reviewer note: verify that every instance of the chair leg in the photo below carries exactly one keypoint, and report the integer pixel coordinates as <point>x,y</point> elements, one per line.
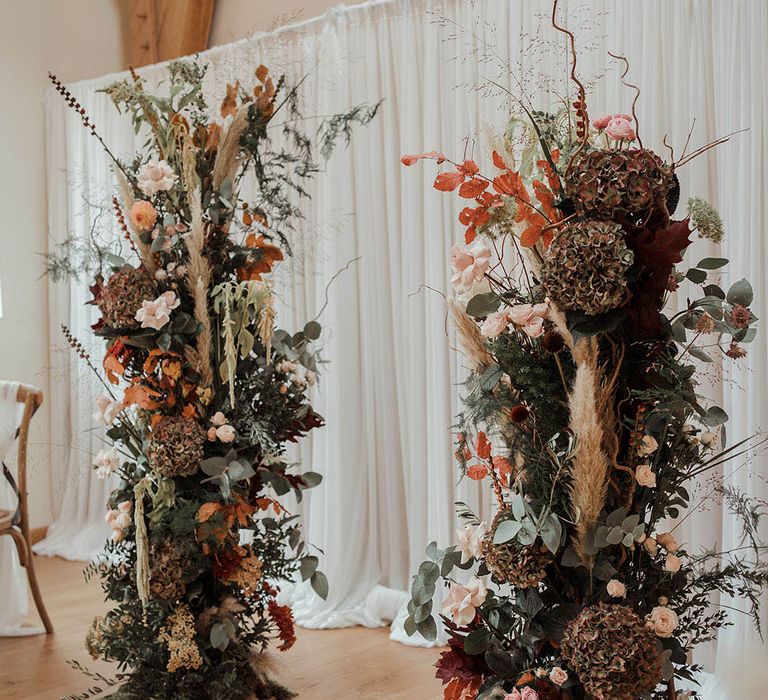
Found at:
<point>21,545</point>
<point>36,594</point>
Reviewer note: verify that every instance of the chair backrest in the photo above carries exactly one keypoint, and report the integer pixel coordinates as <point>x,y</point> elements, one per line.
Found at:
<point>32,398</point>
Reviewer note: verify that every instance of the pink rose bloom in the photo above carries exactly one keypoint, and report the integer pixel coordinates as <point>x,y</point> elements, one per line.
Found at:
<point>601,122</point>
<point>620,128</point>
<point>495,324</point>
<point>225,433</point>
<point>558,676</point>
<point>529,694</point>
<point>156,314</point>
<point>469,265</point>
<point>155,176</point>
<point>125,506</point>
<point>462,600</point>
<point>218,419</point>
<point>110,516</point>
<point>514,695</point>
<point>530,317</point>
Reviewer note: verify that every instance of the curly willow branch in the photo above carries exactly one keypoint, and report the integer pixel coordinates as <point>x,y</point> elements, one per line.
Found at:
<point>623,59</point>
<point>581,110</point>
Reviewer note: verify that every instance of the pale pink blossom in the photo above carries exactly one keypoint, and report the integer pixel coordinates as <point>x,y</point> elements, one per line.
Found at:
<point>558,676</point>
<point>110,516</point>
<point>311,377</point>
<point>529,317</point>
<point>462,601</point>
<point>155,176</point>
<point>218,419</point>
<point>470,541</point>
<point>122,521</point>
<point>125,506</point>
<point>106,410</point>
<point>514,695</point>
<point>601,122</point>
<point>529,693</point>
<point>620,128</point>
<point>495,324</point>
<point>226,433</point>
<point>645,476</point>
<point>672,563</point>
<point>616,589</point>
<point>469,265</point>
<point>106,462</point>
<point>156,314</point>
<point>411,158</point>
<point>664,621</point>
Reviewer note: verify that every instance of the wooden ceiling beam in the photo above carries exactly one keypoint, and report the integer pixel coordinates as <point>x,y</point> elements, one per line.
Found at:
<point>160,30</point>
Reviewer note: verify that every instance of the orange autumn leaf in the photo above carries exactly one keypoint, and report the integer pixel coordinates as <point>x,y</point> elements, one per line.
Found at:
<point>207,511</point>
<point>483,446</point>
<point>212,137</point>
<point>267,257</point>
<point>229,104</point>
<point>530,236</point>
<point>113,368</point>
<point>189,411</point>
<point>472,188</point>
<point>261,73</point>
<point>477,472</point>
<point>142,397</point>
<point>156,418</point>
<point>503,468</point>
<point>447,182</point>
<point>498,161</point>
<point>525,679</point>
<point>243,511</point>
<point>547,200</point>
<point>264,503</point>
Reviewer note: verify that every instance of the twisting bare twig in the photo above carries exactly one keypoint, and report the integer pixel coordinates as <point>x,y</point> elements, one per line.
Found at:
<point>623,59</point>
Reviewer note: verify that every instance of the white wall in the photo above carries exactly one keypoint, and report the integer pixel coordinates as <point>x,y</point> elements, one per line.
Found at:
<point>37,36</point>
<point>75,39</point>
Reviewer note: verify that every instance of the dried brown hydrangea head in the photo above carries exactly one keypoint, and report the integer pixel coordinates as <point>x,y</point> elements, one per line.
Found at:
<point>169,571</point>
<point>623,185</point>
<point>614,653</point>
<point>121,297</point>
<point>175,447</point>
<point>510,562</point>
<point>585,265</point>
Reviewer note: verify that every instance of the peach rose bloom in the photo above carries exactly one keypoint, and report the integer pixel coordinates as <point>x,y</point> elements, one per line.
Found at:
<point>664,621</point>
<point>667,540</point>
<point>651,546</point>
<point>225,433</point>
<point>469,265</point>
<point>601,122</point>
<point>495,324</point>
<point>218,419</point>
<point>616,589</point>
<point>645,476</point>
<point>143,215</point>
<point>558,676</point>
<point>212,433</point>
<point>672,564</point>
<point>462,601</point>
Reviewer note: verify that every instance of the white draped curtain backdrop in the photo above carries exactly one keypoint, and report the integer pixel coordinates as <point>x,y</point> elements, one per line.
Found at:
<point>391,388</point>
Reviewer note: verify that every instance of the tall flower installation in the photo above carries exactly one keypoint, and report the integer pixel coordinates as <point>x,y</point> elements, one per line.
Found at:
<point>202,391</point>
<point>583,416</point>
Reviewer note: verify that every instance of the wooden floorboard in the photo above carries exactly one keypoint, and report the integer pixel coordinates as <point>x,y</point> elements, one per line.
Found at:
<point>346,664</point>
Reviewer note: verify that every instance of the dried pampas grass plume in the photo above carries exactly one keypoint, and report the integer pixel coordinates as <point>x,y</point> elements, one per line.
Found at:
<point>198,268</point>
<point>228,158</point>
<point>470,338</point>
<point>589,467</point>
<point>143,249</point>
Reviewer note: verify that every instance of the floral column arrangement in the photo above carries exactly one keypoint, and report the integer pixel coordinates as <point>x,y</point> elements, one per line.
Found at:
<point>201,390</point>
<point>582,414</point>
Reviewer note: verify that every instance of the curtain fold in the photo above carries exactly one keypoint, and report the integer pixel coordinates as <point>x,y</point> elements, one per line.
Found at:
<point>390,390</point>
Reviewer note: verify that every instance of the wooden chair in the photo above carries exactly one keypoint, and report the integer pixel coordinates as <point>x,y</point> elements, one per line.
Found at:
<point>16,524</point>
